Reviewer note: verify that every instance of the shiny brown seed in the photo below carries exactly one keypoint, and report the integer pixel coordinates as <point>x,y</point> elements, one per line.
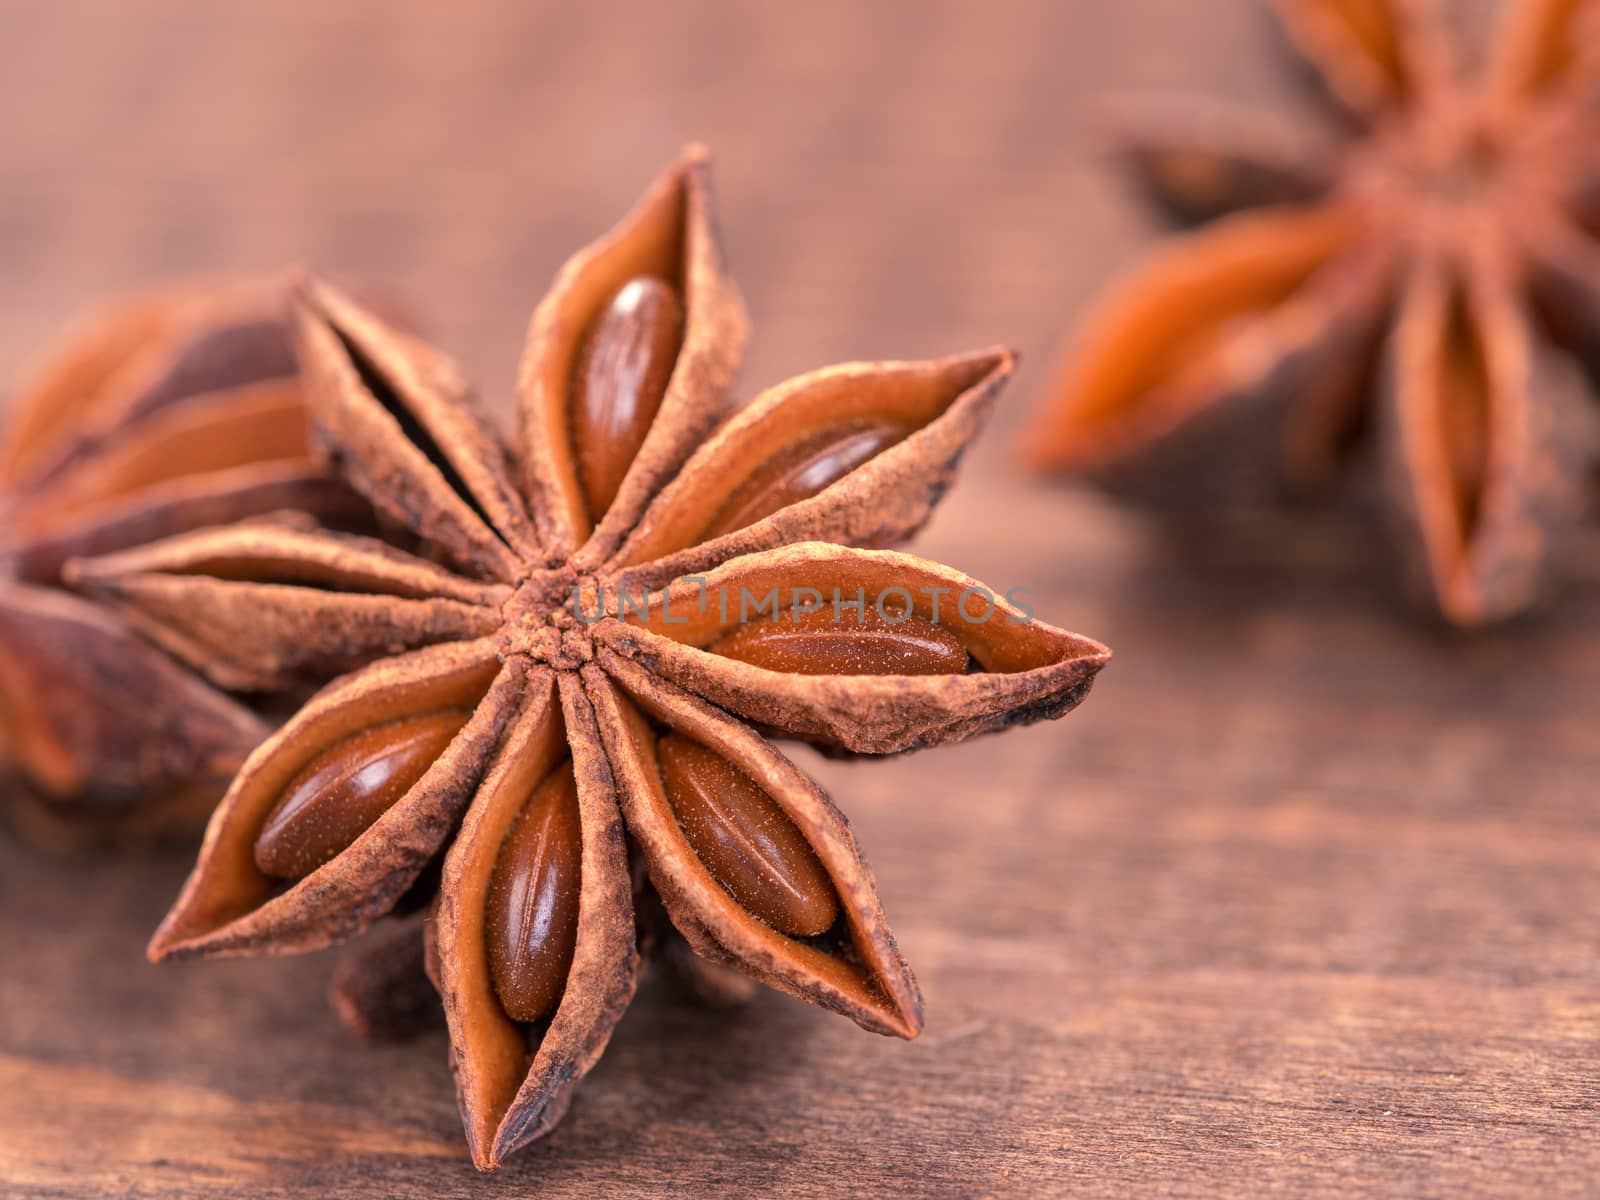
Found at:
<point>347,787</point>
<point>620,379</point>
<point>532,919</point>
<point>802,471</point>
<point>826,643</point>
<point>745,839</point>
<point>1464,397</point>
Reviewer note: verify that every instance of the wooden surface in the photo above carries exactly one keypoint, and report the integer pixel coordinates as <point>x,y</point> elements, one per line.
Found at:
<point>1303,900</point>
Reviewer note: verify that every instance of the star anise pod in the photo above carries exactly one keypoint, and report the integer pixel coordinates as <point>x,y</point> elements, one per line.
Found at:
<point>1408,298</point>
<point>570,673</point>
<point>165,412</point>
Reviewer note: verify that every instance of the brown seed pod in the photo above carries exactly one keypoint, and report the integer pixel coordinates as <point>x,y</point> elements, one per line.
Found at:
<point>534,946</point>
<point>745,840</point>
<point>514,1081</point>
<point>853,967</point>
<point>1011,663</point>
<point>231,906</point>
<point>166,412</point>
<point>1405,301</point>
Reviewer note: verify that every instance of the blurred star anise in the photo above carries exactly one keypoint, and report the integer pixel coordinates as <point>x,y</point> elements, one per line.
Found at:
<point>575,671</point>
<point>163,413</point>
<point>1411,298</point>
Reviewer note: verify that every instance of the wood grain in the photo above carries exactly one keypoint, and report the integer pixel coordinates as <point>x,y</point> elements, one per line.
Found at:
<point>1302,901</point>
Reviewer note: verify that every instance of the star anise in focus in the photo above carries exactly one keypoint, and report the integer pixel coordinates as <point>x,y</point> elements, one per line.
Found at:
<point>609,621</point>
<point>165,412</point>
<point>1422,298</point>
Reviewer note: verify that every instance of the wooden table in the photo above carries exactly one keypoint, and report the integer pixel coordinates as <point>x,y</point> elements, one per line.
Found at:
<point>1303,900</point>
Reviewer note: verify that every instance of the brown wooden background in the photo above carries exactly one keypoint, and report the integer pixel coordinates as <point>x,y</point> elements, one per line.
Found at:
<point>1304,899</point>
